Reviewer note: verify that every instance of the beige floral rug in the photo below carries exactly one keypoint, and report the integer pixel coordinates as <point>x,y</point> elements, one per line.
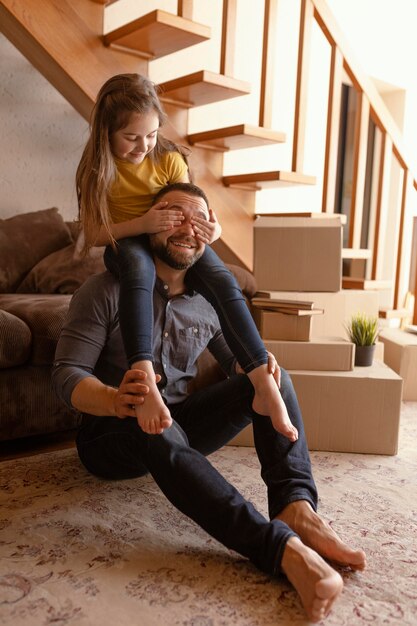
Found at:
<point>75,550</point>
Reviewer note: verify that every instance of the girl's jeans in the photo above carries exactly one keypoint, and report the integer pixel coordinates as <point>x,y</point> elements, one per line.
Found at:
<point>133,265</point>
<point>115,448</point>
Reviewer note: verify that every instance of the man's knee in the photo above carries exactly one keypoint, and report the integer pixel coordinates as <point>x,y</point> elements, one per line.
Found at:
<point>286,386</point>
<point>172,437</point>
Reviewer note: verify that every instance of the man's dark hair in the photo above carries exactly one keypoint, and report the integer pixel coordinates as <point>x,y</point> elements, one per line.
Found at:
<point>189,188</point>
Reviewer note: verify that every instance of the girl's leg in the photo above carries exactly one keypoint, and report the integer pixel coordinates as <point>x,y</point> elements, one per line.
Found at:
<point>133,265</point>
<point>216,283</point>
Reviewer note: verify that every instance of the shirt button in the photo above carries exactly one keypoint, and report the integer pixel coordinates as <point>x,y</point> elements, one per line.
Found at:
<point>166,287</point>
<point>165,334</point>
<point>195,330</point>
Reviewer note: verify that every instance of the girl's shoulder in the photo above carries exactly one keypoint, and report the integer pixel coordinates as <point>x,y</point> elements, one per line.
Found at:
<point>173,164</point>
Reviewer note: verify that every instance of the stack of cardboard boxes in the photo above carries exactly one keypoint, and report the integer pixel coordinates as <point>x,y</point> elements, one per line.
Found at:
<point>298,269</point>
<point>400,353</point>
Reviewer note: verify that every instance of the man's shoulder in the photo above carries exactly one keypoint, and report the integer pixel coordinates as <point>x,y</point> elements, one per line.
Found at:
<point>104,280</point>
<point>98,288</point>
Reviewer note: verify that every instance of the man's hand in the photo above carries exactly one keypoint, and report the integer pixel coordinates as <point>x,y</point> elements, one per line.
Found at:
<point>130,393</point>
<point>273,368</point>
<point>159,219</point>
<point>207,231</point>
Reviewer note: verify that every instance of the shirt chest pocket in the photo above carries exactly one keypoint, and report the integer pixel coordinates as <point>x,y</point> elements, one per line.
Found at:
<point>191,342</point>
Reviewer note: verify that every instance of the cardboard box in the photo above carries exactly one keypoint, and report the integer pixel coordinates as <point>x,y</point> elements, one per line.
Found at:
<point>298,253</point>
<point>400,354</point>
<point>333,354</point>
<point>338,308</point>
<point>275,325</point>
<point>356,411</point>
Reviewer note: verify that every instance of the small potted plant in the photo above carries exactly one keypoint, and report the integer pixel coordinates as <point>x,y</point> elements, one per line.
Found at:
<point>363,332</point>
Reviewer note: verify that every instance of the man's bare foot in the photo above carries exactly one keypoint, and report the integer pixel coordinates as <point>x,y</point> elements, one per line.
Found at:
<point>317,584</point>
<point>268,401</point>
<point>318,535</point>
<point>153,415</point>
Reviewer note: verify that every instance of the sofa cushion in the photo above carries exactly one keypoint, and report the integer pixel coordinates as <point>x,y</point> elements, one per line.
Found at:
<point>44,314</point>
<point>16,340</point>
<point>26,239</point>
<point>60,272</point>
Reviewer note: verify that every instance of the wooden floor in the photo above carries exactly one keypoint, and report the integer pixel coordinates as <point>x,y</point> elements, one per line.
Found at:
<point>29,446</point>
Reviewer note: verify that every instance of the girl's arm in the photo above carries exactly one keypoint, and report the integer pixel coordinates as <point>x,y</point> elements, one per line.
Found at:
<point>156,220</point>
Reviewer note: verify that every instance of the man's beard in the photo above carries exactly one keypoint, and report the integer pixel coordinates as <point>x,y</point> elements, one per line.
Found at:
<point>173,256</point>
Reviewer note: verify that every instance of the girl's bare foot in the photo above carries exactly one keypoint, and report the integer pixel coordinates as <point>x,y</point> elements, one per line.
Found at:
<point>153,415</point>
<point>318,535</point>
<point>317,584</point>
<point>268,401</point>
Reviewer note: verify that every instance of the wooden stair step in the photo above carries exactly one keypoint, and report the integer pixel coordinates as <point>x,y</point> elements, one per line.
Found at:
<point>263,180</point>
<point>356,253</point>
<point>236,137</point>
<point>157,34</point>
<point>350,282</point>
<point>342,219</point>
<point>392,314</point>
<point>202,87</point>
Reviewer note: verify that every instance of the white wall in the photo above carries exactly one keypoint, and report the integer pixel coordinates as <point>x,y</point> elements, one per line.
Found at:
<point>41,140</point>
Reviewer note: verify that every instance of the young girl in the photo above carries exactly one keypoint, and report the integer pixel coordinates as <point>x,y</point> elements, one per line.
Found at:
<point>124,164</point>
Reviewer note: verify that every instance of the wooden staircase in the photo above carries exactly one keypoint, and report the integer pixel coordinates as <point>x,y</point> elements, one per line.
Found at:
<point>64,40</point>
<point>77,63</point>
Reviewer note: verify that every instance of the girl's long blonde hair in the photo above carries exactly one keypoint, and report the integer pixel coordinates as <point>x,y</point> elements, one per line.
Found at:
<point>118,98</point>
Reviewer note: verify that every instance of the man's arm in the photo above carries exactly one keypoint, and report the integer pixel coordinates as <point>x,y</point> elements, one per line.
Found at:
<point>91,396</point>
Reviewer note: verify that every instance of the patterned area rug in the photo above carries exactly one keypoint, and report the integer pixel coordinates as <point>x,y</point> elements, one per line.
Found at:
<point>79,551</point>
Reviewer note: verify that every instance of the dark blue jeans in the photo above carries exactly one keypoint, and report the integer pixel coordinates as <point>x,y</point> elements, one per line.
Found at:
<point>133,265</point>
<point>115,448</point>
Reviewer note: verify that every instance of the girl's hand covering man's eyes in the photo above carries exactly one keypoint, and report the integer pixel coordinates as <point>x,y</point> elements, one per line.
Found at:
<point>207,231</point>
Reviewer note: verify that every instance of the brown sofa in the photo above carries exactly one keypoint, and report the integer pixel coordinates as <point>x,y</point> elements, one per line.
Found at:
<point>38,274</point>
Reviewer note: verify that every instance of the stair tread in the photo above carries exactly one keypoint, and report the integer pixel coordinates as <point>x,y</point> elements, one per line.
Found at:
<point>236,137</point>
<point>203,87</point>
<point>350,282</point>
<point>261,180</point>
<point>389,313</point>
<point>315,215</point>
<point>157,34</point>
<point>356,253</point>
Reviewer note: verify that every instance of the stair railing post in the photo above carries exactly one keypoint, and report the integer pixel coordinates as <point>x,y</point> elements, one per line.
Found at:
<point>304,46</point>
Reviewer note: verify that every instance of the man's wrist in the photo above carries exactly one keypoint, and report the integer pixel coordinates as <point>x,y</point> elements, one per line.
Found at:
<point>111,395</point>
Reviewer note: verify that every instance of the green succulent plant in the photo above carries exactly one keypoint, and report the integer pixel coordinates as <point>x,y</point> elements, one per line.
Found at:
<point>363,330</point>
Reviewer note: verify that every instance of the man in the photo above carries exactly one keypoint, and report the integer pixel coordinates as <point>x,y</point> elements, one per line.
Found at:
<point>90,375</point>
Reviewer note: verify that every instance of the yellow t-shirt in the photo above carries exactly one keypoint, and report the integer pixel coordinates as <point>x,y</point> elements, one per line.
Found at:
<point>135,186</point>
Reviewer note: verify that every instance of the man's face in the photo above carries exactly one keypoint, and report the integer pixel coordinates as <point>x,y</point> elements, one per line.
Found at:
<point>179,247</point>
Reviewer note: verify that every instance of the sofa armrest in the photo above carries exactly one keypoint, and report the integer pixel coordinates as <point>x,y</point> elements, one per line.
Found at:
<point>15,340</point>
